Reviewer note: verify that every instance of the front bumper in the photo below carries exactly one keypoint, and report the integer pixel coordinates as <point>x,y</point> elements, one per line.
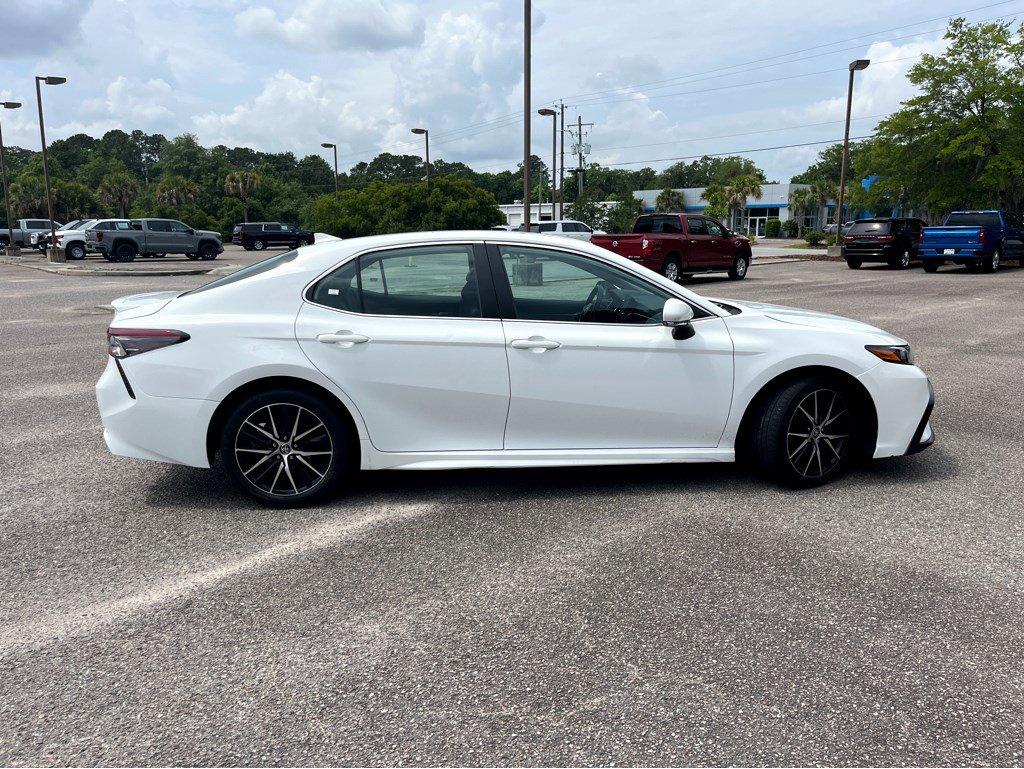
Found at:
<point>144,426</point>
<point>903,399</point>
<point>923,436</point>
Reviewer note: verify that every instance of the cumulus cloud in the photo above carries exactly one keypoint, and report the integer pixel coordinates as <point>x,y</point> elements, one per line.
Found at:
<point>337,25</point>
<point>32,27</point>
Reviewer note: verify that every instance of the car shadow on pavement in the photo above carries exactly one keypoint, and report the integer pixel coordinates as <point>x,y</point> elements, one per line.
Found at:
<point>188,487</point>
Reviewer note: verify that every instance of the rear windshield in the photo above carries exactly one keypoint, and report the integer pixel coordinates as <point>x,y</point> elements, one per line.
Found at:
<point>258,268</point>
<point>973,220</point>
<point>870,228</point>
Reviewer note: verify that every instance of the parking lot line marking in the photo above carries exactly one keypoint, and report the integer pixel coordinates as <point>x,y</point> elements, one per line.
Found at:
<point>90,617</point>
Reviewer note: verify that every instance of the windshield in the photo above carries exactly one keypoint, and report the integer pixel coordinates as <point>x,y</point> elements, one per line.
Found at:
<point>258,268</point>
<point>870,228</point>
<point>973,220</point>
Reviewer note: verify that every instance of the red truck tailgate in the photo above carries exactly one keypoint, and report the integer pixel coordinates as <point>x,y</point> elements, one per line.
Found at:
<point>623,245</point>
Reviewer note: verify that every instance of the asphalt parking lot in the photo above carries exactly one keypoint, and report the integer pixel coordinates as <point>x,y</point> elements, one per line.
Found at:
<point>666,615</point>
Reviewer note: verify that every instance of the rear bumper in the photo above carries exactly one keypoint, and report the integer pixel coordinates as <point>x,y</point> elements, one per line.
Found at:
<point>871,253</point>
<point>143,426</point>
<point>959,253</point>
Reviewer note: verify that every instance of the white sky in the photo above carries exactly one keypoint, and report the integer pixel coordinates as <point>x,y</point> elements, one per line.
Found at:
<point>673,77</point>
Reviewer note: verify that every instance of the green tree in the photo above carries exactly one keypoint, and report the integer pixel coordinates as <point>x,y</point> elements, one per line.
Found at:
<point>587,210</point>
<point>242,184</point>
<point>623,215</point>
<point>118,190</point>
<point>801,202</point>
<point>670,201</point>
<point>176,191</point>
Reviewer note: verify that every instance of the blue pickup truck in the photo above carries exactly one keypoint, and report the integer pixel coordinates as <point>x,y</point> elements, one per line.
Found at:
<point>979,240</point>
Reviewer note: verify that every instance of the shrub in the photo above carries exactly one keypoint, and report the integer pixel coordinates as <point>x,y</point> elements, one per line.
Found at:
<point>772,228</point>
<point>814,237</point>
<point>791,227</point>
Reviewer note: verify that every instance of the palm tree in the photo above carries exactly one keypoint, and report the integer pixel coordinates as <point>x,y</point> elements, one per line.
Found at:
<point>801,200</point>
<point>738,189</point>
<point>242,184</point>
<point>118,189</point>
<point>176,191</point>
<point>670,202</point>
<point>822,191</point>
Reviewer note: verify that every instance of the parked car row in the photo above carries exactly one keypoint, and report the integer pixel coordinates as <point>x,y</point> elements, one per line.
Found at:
<point>979,240</point>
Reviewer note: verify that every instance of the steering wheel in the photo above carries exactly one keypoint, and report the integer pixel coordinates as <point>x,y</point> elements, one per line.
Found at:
<point>604,297</point>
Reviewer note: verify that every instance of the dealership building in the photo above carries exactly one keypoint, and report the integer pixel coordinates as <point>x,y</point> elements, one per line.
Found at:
<point>752,218</point>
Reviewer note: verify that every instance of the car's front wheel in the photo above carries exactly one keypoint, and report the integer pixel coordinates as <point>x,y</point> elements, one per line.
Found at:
<point>738,271</point>
<point>76,252</point>
<point>804,434</point>
<point>671,269</point>
<point>285,447</point>
<point>207,252</point>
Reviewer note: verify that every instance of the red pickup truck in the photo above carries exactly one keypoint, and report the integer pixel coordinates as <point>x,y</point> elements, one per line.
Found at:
<point>679,245</point>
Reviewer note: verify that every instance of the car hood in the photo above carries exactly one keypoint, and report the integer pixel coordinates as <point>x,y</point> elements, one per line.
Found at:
<point>811,319</point>
<point>140,305</point>
<point>208,232</point>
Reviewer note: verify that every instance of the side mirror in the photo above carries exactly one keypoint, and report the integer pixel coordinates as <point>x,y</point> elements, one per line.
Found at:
<point>677,315</point>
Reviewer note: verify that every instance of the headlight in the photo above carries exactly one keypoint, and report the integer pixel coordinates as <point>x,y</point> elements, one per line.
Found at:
<point>891,353</point>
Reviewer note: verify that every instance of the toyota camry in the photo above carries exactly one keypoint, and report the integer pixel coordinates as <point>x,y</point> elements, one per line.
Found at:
<point>491,349</point>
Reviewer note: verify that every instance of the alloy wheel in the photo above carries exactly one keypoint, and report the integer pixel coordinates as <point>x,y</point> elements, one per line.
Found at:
<point>905,259</point>
<point>672,271</point>
<point>818,435</point>
<point>741,266</point>
<point>284,449</point>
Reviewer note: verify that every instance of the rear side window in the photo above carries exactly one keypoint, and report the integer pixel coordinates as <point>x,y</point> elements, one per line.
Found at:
<point>870,228</point>
<point>973,220</point>
<point>547,227</point>
<point>119,226</point>
<point>258,268</point>
<point>696,226</point>
<point>670,224</point>
<point>644,224</point>
<point>423,281</point>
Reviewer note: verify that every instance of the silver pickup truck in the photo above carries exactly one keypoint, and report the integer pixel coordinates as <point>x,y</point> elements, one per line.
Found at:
<point>153,237</point>
<point>24,229</point>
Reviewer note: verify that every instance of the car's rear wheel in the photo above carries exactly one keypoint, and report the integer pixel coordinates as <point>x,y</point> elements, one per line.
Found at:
<point>804,435</point>
<point>853,262</point>
<point>285,447</point>
<point>671,268</point>
<point>931,265</point>
<point>738,271</point>
<point>901,261</point>
<point>991,262</point>
<point>258,245</point>
<point>124,252</point>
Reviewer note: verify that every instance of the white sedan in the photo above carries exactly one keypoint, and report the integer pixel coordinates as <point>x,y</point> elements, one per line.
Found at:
<point>488,349</point>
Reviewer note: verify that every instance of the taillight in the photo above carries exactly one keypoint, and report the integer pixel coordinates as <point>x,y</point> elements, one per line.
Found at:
<point>125,342</point>
<point>848,238</point>
<point>981,235</point>
<point>886,238</point>
<point>920,236</point>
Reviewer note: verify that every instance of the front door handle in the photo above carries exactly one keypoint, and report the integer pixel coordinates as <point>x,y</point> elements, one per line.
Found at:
<point>342,338</point>
<point>535,344</point>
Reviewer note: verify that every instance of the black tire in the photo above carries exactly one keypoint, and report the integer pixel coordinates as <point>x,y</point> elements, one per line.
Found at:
<point>247,247</point>
<point>901,261</point>
<point>75,251</point>
<point>124,252</point>
<point>292,478</point>
<point>778,445</point>
<point>973,266</point>
<point>192,257</point>
<point>854,263</point>
<point>671,269</point>
<point>931,265</point>
<point>310,240</point>
<point>258,245</point>
<point>991,262</point>
<point>207,252</point>
<point>739,268</point>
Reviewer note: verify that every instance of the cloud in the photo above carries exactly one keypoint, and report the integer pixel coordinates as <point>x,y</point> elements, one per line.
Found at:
<point>32,27</point>
<point>337,25</point>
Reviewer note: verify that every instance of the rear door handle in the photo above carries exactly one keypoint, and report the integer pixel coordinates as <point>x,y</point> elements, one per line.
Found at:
<point>535,344</point>
<point>342,338</point>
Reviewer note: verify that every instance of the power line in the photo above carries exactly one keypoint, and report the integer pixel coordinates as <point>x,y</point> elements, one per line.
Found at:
<point>736,152</point>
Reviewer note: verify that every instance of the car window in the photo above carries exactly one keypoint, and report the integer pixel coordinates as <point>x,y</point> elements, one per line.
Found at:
<point>102,226</point>
<point>120,226</point>
<point>1013,220</point>
<point>869,228</point>
<point>714,228</point>
<point>423,281</point>
<point>973,220</point>
<point>158,225</point>
<point>547,227</point>
<point>696,226</point>
<point>645,224</point>
<point>581,227</point>
<point>670,224</point>
<point>38,224</point>
<point>180,227</point>
<point>559,286</point>
<point>136,224</point>
<point>272,227</point>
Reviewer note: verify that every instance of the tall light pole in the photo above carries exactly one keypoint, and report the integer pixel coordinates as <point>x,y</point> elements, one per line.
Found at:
<point>554,151</point>
<point>855,66</point>
<point>426,137</point>
<point>11,248</point>
<point>561,160</point>
<point>329,146</point>
<point>527,113</point>
<point>53,254</point>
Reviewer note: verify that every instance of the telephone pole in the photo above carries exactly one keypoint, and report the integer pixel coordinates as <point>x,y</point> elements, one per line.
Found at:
<point>527,114</point>
<point>580,153</point>
<point>561,168</point>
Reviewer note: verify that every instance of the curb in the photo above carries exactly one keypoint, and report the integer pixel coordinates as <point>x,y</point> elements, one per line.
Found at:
<point>107,272</point>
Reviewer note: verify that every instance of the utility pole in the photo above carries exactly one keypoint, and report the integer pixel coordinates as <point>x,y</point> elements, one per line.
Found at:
<point>11,248</point>
<point>580,154</point>
<point>561,168</point>
<point>527,113</point>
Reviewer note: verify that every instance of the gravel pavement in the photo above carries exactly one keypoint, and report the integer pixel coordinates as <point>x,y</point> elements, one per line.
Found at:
<point>648,615</point>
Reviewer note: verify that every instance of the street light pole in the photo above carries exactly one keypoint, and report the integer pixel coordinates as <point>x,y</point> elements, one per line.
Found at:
<point>11,248</point>
<point>329,146</point>
<point>554,152</point>
<point>53,254</point>
<point>855,66</point>
<point>426,138</point>
<point>561,162</point>
<point>527,114</point>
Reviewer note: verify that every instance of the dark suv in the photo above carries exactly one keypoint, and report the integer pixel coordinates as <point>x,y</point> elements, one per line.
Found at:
<point>256,236</point>
<point>893,241</point>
